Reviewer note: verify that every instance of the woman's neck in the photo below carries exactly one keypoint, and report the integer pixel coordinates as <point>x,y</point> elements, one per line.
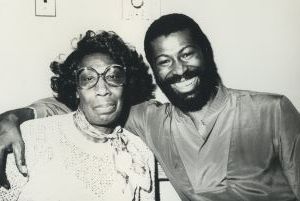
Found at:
<point>103,129</point>
<point>96,133</point>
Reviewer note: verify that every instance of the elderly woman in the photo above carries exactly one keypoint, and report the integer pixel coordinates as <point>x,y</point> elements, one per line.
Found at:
<point>86,155</point>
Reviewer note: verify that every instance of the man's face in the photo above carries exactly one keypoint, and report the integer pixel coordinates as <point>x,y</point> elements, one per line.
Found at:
<point>180,70</point>
<point>101,104</point>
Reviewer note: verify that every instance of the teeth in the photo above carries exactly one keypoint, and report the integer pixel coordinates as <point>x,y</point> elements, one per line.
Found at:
<point>184,83</point>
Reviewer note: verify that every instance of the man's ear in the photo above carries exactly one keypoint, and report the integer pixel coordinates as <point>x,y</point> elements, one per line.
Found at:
<point>77,95</point>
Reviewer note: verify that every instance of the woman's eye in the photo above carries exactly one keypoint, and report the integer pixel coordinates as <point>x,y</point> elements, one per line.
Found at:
<point>88,79</point>
<point>111,77</point>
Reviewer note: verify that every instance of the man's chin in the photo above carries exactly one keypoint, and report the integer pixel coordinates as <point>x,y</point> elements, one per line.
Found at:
<point>187,95</point>
<point>189,104</point>
<point>186,101</point>
<point>191,101</point>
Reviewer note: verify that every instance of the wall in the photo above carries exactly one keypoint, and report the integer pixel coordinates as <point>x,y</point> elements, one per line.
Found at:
<point>256,42</point>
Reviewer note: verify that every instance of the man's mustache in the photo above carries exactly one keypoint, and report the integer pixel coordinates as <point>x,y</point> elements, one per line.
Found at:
<point>187,75</point>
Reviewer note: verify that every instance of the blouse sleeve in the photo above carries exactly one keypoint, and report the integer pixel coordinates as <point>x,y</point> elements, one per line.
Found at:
<point>35,147</point>
<point>142,157</point>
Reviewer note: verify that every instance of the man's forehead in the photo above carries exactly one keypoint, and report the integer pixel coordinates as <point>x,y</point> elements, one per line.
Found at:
<point>172,42</point>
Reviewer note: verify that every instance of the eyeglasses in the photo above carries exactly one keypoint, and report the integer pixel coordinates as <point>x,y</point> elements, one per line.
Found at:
<point>114,75</point>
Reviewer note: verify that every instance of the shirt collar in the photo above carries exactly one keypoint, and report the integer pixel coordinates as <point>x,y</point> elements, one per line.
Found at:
<point>215,106</point>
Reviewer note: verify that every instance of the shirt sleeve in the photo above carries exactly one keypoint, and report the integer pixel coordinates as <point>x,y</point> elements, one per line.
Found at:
<point>138,115</point>
<point>135,122</point>
<point>48,107</point>
<point>288,133</point>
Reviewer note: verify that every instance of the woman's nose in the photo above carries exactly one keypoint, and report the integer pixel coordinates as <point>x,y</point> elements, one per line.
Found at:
<point>101,87</point>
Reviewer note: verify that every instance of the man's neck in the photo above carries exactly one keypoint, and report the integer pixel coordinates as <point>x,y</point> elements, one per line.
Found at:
<point>198,116</point>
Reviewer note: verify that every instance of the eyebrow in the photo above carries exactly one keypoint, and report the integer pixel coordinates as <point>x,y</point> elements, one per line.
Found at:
<point>181,50</point>
<point>161,55</point>
<point>188,46</point>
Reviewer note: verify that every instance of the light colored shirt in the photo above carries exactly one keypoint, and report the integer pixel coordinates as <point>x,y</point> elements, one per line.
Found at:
<point>64,165</point>
<point>248,147</point>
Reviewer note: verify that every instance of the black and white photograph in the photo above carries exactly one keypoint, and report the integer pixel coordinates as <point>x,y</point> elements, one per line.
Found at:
<point>150,100</point>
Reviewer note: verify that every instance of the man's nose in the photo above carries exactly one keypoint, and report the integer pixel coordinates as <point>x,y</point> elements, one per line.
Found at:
<point>101,87</point>
<point>179,68</point>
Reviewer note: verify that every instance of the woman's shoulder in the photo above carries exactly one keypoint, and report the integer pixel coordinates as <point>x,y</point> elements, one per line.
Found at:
<point>47,121</point>
<point>44,128</point>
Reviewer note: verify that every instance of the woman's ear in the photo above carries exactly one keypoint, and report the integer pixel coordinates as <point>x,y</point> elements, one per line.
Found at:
<point>77,95</point>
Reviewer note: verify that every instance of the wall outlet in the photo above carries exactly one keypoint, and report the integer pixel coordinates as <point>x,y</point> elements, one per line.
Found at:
<point>45,8</point>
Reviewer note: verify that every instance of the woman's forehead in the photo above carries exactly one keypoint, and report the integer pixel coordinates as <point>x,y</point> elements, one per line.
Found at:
<point>97,59</point>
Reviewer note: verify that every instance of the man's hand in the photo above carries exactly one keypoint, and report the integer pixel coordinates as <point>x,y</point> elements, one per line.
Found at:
<point>11,141</point>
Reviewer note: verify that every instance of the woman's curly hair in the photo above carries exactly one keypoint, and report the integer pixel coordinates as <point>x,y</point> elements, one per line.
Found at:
<point>139,85</point>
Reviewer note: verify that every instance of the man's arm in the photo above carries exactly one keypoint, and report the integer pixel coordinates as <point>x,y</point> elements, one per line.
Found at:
<point>288,135</point>
<point>10,136</point>
<point>136,121</point>
<point>11,140</point>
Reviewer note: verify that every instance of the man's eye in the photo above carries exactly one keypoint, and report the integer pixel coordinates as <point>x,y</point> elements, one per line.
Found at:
<point>165,62</point>
<point>187,56</point>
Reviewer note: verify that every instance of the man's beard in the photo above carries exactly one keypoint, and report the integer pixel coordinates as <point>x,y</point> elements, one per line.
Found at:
<point>199,96</point>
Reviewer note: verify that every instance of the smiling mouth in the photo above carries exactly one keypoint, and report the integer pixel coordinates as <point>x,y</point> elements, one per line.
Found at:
<point>185,85</point>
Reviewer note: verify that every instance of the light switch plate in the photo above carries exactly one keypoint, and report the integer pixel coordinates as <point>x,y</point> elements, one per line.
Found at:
<point>45,8</point>
<point>141,9</point>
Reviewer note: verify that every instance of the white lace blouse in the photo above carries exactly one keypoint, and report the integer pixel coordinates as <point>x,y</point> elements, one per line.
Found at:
<point>64,165</point>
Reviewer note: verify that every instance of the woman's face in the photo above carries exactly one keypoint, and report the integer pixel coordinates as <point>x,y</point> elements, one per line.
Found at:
<point>101,104</point>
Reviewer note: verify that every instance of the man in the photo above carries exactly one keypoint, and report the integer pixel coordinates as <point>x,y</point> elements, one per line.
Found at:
<point>214,143</point>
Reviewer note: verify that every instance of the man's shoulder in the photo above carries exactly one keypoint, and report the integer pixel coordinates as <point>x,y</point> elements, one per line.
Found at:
<point>136,140</point>
<point>146,115</point>
<point>256,97</point>
<point>151,106</point>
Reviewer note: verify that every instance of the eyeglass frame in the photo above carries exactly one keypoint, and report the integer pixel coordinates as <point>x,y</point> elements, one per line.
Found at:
<point>77,73</point>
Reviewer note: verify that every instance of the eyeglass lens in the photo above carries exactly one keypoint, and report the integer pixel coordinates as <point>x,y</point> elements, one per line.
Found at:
<point>113,75</point>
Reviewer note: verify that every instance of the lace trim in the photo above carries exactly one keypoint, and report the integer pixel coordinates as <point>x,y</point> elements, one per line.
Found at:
<point>127,160</point>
